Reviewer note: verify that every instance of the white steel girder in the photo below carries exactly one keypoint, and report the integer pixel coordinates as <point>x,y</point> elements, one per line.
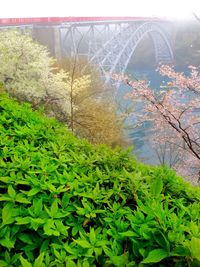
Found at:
<point>111,46</point>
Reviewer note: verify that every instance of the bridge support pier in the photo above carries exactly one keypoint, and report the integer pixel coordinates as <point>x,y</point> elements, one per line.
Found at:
<point>50,37</point>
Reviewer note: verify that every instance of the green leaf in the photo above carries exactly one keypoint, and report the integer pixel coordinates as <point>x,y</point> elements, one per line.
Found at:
<point>25,238</point>
<point>83,243</point>
<point>180,251</point>
<point>11,192</point>
<point>57,254</point>
<point>51,188</point>
<point>161,239</point>
<point>3,263</point>
<point>44,245</point>
<point>80,211</point>
<point>7,214</point>
<point>69,249</point>
<point>92,236</point>
<point>136,247</point>
<point>39,260</point>
<point>5,242</point>
<point>155,255</point>
<point>128,234</point>
<point>5,180</point>
<point>61,227</point>
<point>20,221</point>
<point>75,230</point>
<point>5,198</point>
<point>194,228</point>
<point>33,192</point>
<point>195,247</point>
<point>21,199</point>
<point>86,263</point>
<point>119,261</point>
<point>142,252</point>
<point>24,262</point>
<point>38,221</point>
<point>54,208</point>
<point>14,259</point>
<point>157,186</point>
<point>98,252</point>
<point>7,257</point>
<point>107,251</point>
<point>102,243</point>
<point>37,205</point>
<point>49,228</point>
<point>71,263</point>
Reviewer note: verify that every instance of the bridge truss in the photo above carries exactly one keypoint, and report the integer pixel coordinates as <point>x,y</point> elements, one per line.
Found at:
<point>111,45</point>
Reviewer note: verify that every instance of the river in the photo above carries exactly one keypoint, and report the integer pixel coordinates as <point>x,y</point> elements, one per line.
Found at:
<point>139,137</point>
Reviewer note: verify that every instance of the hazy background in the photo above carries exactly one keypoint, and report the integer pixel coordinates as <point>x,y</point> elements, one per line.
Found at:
<point>173,9</point>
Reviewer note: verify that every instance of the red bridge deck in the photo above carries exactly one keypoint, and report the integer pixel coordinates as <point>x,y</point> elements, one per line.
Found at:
<point>59,20</point>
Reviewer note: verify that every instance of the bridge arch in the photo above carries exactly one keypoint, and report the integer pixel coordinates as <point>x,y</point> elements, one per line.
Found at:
<point>116,53</point>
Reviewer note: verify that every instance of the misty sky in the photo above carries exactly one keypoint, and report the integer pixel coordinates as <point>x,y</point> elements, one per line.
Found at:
<point>175,9</point>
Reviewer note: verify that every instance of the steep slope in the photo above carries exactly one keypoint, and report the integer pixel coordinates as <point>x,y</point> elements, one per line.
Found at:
<point>64,202</point>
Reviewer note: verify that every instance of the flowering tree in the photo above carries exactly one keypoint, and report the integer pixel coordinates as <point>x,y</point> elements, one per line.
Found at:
<point>174,114</point>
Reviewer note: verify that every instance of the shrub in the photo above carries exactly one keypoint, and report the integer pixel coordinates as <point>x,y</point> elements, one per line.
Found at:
<point>64,202</point>
<point>94,114</point>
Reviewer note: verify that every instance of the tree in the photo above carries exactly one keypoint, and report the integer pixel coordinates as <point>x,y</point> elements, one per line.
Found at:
<point>26,68</point>
<point>174,116</point>
<point>30,74</point>
<point>93,114</point>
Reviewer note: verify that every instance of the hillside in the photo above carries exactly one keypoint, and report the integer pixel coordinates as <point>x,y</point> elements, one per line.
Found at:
<point>65,202</point>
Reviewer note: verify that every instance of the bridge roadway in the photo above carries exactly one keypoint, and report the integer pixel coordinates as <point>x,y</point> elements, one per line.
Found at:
<point>61,20</point>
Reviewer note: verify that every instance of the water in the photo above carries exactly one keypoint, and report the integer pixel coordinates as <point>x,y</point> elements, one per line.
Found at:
<point>140,136</point>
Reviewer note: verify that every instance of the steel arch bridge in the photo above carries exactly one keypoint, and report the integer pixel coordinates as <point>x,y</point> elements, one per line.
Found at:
<point>108,42</point>
<point>111,46</point>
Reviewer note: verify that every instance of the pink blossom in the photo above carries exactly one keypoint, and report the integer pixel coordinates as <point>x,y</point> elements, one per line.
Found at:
<point>175,114</point>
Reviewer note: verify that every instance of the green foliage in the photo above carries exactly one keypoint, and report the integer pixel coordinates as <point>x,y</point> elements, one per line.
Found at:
<point>156,255</point>
<point>64,202</point>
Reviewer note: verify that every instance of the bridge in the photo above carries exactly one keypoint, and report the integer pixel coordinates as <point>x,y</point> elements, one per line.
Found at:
<point>108,42</point>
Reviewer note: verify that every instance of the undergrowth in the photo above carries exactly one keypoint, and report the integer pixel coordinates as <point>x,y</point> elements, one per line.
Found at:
<point>64,202</point>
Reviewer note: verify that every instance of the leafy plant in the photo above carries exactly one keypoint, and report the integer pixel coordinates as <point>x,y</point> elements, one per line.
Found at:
<point>64,202</point>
